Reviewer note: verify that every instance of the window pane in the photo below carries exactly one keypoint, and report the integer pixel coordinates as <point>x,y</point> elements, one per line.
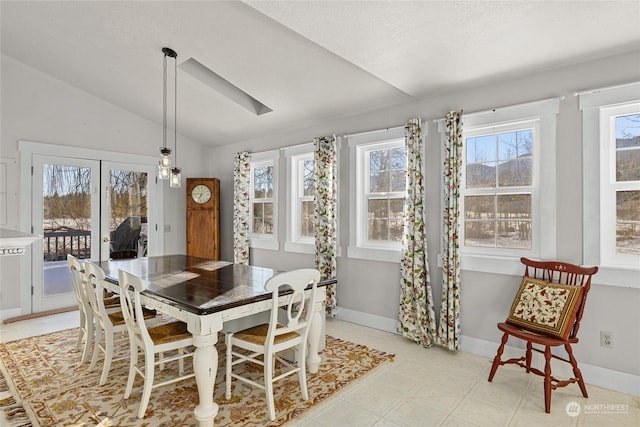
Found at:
<point>628,147</point>
<point>268,209</point>
<point>517,172</point>
<point>481,175</point>
<point>263,182</point>
<point>396,228</point>
<point>479,233</point>
<point>398,159</point>
<point>628,222</point>
<point>378,208</point>
<point>481,149</point>
<point>380,182</point>
<point>258,225</point>
<point>378,229</point>
<point>308,186</point>
<point>514,234</point>
<point>398,180</point>
<point>379,160</point>
<point>268,225</point>
<point>306,224</point>
<point>396,208</point>
<point>511,206</point>
<point>479,207</point>
<point>258,210</point>
<point>515,145</point>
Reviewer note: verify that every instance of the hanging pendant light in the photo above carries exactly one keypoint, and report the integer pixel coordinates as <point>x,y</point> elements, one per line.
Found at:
<point>175,181</point>
<point>164,166</point>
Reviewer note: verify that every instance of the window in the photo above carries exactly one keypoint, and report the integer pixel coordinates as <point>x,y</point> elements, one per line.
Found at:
<point>620,185</point>
<point>378,177</point>
<point>498,187</point>
<point>300,199</point>
<point>611,143</point>
<point>507,203</point>
<point>263,197</point>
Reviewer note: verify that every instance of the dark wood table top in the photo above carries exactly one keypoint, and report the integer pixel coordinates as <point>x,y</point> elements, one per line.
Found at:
<point>197,285</point>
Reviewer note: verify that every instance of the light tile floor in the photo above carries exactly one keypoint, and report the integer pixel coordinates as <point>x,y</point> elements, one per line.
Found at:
<point>428,387</point>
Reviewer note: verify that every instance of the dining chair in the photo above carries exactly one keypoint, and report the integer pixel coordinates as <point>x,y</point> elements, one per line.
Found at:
<point>267,340</point>
<point>110,327</point>
<point>86,313</point>
<point>546,311</point>
<point>161,339</point>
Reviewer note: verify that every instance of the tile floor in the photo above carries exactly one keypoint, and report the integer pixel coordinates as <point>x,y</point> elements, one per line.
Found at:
<point>429,387</point>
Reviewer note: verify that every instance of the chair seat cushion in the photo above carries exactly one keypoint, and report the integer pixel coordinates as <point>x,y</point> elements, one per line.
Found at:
<point>169,332</point>
<point>534,337</point>
<point>117,318</point>
<point>258,335</point>
<point>546,308</point>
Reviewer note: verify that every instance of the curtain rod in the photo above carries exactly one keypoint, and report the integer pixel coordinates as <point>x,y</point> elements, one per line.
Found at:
<point>504,107</point>
<point>347,135</point>
<point>602,89</point>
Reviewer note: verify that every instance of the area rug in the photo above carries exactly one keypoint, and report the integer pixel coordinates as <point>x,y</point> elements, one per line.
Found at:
<point>45,385</point>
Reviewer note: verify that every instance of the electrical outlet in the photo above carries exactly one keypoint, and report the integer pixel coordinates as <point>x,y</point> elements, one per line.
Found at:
<point>606,339</point>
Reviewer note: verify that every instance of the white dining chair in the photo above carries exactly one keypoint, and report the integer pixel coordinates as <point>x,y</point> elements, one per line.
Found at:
<point>170,341</point>
<point>86,332</point>
<point>269,339</point>
<point>110,327</point>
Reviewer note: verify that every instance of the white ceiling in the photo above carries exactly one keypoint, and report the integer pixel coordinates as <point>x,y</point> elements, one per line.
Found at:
<point>308,61</point>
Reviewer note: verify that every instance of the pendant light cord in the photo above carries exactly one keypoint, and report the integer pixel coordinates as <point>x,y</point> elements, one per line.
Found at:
<point>164,102</point>
<point>175,109</point>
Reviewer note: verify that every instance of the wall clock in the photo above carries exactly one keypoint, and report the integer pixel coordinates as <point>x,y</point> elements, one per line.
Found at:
<point>203,217</point>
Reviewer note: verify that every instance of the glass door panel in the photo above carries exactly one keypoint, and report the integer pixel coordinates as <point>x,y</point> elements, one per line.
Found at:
<point>66,215</point>
<point>126,226</point>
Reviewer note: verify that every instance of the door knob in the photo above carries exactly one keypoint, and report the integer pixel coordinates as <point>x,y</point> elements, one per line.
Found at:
<point>105,239</point>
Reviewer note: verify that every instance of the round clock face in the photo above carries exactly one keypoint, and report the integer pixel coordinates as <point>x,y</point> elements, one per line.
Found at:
<point>201,194</point>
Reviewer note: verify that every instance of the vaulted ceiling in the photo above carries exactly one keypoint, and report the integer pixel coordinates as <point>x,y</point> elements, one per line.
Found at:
<point>307,61</point>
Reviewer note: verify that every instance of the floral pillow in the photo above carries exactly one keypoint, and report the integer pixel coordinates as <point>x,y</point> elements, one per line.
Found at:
<point>544,307</point>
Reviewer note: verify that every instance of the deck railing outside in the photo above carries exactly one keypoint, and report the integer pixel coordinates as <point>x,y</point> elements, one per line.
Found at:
<point>57,244</point>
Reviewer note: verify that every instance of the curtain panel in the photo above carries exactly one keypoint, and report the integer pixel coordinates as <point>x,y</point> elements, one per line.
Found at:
<point>325,212</point>
<point>416,319</point>
<point>449,328</point>
<point>241,184</point>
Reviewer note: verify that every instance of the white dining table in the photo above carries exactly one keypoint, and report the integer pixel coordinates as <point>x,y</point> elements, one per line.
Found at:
<point>206,294</point>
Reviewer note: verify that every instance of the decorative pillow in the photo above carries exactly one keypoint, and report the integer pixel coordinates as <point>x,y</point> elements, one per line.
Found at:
<point>544,307</point>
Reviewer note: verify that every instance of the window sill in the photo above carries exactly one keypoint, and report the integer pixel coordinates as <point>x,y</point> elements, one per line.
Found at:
<point>264,244</point>
<point>491,264</point>
<point>628,277</point>
<point>303,248</point>
<point>384,255</point>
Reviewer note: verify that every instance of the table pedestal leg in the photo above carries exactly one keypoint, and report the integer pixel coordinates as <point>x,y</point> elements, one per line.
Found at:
<point>205,364</point>
<point>313,358</point>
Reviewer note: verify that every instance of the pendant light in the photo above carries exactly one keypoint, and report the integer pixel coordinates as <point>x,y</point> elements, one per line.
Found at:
<point>175,181</point>
<point>164,166</point>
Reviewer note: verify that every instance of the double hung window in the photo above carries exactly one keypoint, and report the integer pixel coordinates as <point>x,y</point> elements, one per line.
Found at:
<point>263,199</point>
<point>378,185</point>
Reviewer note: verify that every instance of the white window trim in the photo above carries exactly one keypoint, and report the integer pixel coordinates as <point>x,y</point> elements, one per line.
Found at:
<point>358,247</point>
<point>265,241</point>
<point>544,240</point>
<point>293,242</point>
<point>591,103</point>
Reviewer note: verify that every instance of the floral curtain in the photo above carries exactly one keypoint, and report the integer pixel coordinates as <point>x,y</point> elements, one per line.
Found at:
<point>416,315</point>
<point>325,212</point>
<point>449,330</point>
<point>241,183</point>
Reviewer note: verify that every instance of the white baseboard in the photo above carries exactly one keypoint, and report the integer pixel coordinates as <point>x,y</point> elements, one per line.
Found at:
<point>366,319</point>
<point>9,313</point>
<point>622,382</point>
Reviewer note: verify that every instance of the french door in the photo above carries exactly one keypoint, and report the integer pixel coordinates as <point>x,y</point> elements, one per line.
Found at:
<point>92,209</point>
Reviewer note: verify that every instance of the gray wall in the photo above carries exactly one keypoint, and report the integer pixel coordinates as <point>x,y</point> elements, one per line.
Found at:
<point>372,288</point>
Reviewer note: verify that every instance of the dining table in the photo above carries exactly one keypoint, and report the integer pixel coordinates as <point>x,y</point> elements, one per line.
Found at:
<point>206,294</point>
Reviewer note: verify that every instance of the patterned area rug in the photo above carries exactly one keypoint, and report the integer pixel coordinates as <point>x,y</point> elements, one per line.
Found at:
<point>45,385</point>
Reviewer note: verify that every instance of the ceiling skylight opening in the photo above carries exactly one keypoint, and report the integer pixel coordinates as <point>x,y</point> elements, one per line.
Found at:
<point>224,87</point>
